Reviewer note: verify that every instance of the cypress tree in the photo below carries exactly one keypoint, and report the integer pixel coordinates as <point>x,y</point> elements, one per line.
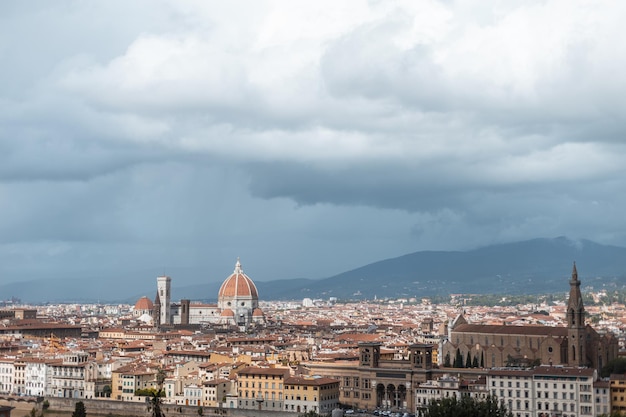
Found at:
<point>458,360</point>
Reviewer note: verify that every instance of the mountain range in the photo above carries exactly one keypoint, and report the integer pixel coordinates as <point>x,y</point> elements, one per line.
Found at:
<point>528,267</point>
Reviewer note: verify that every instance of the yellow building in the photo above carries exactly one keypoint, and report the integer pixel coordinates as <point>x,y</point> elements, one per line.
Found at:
<point>127,379</point>
<point>304,394</point>
<point>261,388</point>
<point>618,393</point>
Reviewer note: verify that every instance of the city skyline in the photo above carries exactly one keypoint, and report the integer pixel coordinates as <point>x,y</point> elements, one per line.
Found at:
<point>307,139</point>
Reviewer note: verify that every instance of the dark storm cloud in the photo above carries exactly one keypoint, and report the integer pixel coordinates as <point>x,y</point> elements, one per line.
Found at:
<point>306,138</point>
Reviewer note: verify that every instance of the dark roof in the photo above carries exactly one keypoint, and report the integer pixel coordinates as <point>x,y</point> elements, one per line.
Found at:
<point>508,330</point>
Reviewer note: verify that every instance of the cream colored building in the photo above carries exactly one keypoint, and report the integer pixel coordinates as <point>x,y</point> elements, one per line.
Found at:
<point>261,388</point>
<point>304,394</point>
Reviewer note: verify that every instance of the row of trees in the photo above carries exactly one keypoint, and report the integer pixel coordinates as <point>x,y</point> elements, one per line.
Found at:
<point>467,407</point>
<point>467,363</point>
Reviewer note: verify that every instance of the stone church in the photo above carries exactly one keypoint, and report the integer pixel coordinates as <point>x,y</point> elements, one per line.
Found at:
<point>576,344</point>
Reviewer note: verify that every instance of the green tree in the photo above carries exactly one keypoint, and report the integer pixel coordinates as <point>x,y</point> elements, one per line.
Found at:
<point>482,359</point>
<point>106,391</point>
<point>310,413</point>
<point>475,362</point>
<point>458,359</point>
<point>200,411</point>
<point>616,366</point>
<point>467,407</point>
<point>160,377</point>
<point>468,360</point>
<point>446,360</point>
<point>79,410</point>
<point>155,404</point>
<point>34,413</point>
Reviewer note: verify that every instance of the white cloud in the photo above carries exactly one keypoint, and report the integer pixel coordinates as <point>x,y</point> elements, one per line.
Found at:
<point>456,123</point>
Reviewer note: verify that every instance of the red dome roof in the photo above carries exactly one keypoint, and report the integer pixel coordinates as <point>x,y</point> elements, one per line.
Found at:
<point>144,303</point>
<point>257,312</point>
<point>238,285</point>
<point>227,313</point>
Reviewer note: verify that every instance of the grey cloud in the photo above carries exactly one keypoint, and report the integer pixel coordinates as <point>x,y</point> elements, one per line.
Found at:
<point>185,137</point>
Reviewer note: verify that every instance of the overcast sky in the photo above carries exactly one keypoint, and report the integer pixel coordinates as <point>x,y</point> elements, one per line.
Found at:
<point>306,137</point>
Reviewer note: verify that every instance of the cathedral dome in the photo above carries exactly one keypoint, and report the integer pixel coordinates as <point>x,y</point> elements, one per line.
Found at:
<point>257,312</point>
<point>227,313</point>
<point>144,303</point>
<point>238,285</point>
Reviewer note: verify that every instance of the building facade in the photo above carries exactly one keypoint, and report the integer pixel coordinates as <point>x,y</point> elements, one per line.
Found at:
<point>373,382</point>
<point>304,394</point>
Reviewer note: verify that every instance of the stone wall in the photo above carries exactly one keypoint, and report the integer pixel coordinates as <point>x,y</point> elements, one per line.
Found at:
<point>60,406</point>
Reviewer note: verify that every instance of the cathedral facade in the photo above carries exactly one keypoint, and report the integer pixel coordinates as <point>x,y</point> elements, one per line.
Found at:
<point>237,304</point>
<point>575,344</point>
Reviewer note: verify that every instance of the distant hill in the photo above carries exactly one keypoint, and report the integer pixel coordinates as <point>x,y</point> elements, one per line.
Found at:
<point>533,266</point>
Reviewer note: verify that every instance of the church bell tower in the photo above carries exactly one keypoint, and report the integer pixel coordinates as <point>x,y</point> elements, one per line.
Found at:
<point>576,352</point>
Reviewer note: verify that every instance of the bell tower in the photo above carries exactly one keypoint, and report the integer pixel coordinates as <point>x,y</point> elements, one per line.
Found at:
<point>369,354</point>
<point>575,317</point>
<point>421,356</point>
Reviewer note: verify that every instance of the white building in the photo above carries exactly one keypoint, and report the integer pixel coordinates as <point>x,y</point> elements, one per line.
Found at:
<point>35,377</point>
<point>67,376</point>
<point>545,390</point>
<point>7,371</point>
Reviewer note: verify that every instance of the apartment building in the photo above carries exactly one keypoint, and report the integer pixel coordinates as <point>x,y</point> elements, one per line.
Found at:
<point>618,392</point>
<point>35,377</point>
<point>127,379</point>
<point>304,394</point>
<point>67,376</point>
<point>545,390</point>
<point>602,391</point>
<point>215,391</point>
<point>7,372</point>
<point>261,388</point>
<point>448,387</point>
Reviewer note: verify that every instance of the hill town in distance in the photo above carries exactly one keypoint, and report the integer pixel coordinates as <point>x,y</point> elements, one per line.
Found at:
<point>248,356</point>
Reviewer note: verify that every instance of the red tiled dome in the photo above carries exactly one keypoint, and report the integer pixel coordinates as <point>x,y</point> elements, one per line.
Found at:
<point>144,303</point>
<point>227,313</point>
<point>257,312</point>
<point>238,285</point>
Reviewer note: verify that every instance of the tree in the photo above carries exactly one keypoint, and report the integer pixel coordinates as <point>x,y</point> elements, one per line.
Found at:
<point>467,407</point>
<point>482,359</point>
<point>160,377</point>
<point>468,360</point>
<point>200,411</point>
<point>106,391</point>
<point>446,361</point>
<point>34,413</point>
<point>79,410</point>
<point>310,413</point>
<point>475,362</point>
<point>616,366</point>
<point>458,359</point>
<point>155,403</point>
